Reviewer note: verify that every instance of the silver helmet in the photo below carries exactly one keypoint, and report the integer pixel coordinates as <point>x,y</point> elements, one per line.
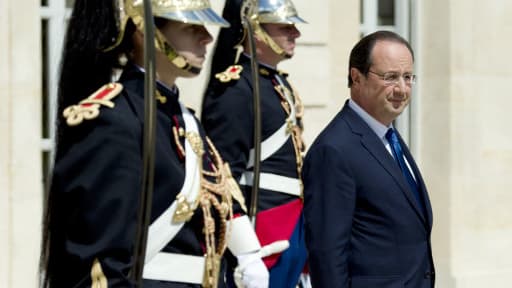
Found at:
<point>186,11</point>
<point>197,12</point>
<point>278,11</point>
<point>270,12</point>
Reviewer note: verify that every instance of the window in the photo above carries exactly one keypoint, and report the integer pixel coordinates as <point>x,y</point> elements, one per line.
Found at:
<point>393,15</point>
<point>54,15</point>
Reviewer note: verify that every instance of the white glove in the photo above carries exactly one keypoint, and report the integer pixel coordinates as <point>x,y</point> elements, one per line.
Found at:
<point>251,272</point>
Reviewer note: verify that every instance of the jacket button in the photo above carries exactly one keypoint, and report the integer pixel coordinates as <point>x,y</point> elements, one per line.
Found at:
<point>429,274</point>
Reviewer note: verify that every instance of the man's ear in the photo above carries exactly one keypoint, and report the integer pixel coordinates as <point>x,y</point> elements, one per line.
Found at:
<point>355,75</point>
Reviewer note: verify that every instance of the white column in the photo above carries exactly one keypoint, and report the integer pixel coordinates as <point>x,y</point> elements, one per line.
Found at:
<point>21,186</point>
<point>467,143</point>
<point>5,126</point>
<point>434,125</point>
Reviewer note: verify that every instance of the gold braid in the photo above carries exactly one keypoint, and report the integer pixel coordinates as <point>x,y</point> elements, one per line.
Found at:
<point>297,129</point>
<point>216,194</point>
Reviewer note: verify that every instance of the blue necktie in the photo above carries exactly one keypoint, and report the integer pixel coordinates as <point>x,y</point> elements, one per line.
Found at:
<point>399,157</point>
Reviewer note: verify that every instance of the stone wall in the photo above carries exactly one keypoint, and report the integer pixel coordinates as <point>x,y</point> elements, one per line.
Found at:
<point>20,132</point>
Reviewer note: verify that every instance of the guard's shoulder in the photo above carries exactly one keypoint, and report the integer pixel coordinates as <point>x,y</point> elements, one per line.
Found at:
<point>231,73</point>
<point>88,108</point>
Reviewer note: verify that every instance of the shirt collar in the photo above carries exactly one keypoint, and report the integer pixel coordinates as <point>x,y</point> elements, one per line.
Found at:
<point>377,127</point>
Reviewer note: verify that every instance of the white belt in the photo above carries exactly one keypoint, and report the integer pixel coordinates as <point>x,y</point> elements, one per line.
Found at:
<point>163,229</point>
<point>270,145</point>
<point>174,267</point>
<point>275,141</point>
<point>274,182</point>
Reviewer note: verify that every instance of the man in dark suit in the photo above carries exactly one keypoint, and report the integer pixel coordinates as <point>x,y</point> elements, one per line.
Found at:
<point>367,212</point>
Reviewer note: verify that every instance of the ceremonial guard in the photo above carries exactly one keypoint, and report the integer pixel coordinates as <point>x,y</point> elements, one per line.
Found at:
<point>90,223</point>
<point>228,113</point>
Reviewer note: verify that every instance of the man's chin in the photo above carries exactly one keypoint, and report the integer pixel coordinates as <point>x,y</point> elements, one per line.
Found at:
<point>288,55</point>
<point>397,105</point>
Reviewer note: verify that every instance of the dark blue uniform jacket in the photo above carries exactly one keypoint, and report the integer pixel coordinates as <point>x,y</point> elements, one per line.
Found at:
<point>97,182</point>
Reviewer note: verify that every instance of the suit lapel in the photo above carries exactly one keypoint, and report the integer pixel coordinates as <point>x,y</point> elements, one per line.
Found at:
<point>374,145</point>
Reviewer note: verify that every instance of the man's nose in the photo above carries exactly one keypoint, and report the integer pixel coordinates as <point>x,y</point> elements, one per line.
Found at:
<point>295,32</point>
<point>206,37</point>
<point>400,85</point>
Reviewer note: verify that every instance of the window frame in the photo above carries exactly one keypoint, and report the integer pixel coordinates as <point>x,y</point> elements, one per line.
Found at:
<point>55,13</point>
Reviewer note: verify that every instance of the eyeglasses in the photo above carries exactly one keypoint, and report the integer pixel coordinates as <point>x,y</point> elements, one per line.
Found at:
<point>393,78</point>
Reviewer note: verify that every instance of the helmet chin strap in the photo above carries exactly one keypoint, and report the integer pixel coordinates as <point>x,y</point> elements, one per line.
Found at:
<point>177,60</point>
<point>263,36</point>
<point>161,43</point>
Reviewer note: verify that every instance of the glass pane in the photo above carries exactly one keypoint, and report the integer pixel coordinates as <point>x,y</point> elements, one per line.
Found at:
<point>386,12</point>
<point>70,3</point>
<point>44,80</point>
<point>361,14</point>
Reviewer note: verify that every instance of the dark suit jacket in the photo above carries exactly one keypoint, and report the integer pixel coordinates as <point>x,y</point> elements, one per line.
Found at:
<point>364,228</point>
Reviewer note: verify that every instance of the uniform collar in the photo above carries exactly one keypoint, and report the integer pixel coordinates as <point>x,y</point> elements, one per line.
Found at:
<point>169,95</point>
<point>264,69</point>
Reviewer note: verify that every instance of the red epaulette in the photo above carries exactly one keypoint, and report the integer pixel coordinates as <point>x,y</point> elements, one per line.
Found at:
<point>89,108</point>
<point>231,73</point>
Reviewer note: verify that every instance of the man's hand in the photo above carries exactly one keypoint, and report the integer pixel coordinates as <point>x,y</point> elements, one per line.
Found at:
<point>251,272</point>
